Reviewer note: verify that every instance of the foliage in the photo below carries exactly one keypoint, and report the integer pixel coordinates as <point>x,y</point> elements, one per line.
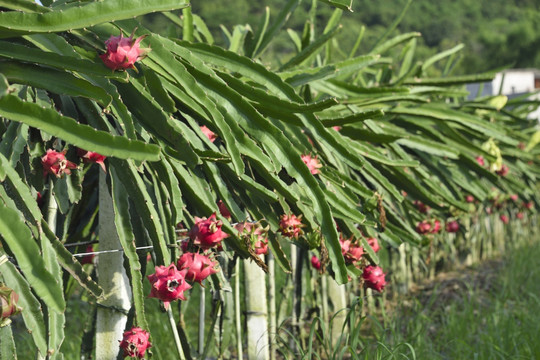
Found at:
<point>495,33</point>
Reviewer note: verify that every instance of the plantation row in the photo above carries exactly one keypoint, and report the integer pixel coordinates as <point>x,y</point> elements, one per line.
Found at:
<point>208,160</point>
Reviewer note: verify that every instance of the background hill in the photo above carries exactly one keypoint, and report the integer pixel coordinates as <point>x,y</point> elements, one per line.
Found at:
<point>495,33</point>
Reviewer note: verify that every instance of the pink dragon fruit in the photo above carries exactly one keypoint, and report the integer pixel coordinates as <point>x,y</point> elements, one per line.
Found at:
<point>423,227</point>
<point>209,133</point>
<point>504,219</point>
<point>92,157</point>
<point>207,233</point>
<point>168,284</point>
<point>39,199</point>
<point>290,225</point>
<point>55,163</point>
<point>352,252</point>
<point>374,244</point>
<point>423,208</point>
<point>528,205</point>
<point>480,160</point>
<point>469,198</point>
<point>8,299</point>
<point>503,171</point>
<point>316,262</point>
<point>198,266</point>
<point>256,233</point>
<point>223,210</point>
<point>122,53</point>
<point>312,163</point>
<point>373,277</point>
<point>135,342</point>
<point>436,227</point>
<point>520,215</point>
<point>452,226</point>
<point>88,259</point>
<point>514,197</point>
<point>184,246</point>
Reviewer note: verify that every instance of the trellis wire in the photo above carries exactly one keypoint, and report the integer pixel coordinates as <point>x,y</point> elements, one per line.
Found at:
<point>118,250</point>
<point>178,231</point>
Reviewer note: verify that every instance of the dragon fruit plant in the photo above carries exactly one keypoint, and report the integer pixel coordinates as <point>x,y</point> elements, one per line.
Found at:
<point>67,83</point>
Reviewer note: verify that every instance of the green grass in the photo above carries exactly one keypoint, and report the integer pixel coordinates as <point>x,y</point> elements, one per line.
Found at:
<point>492,312</point>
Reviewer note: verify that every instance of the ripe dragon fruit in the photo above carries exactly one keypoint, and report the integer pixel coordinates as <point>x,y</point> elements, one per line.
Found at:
<point>374,244</point>
<point>373,277</point>
<point>423,208</point>
<point>504,219</point>
<point>352,252</point>
<point>223,210</point>
<point>8,299</point>
<point>503,171</point>
<point>122,53</point>
<point>256,233</point>
<point>168,284</point>
<point>316,262</point>
<point>39,199</point>
<point>520,215</point>
<point>135,342</point>
<point>92,157</point>
<point>423,227</point>
<point>514,197</point>
<point>312,163</point>
<point>55,163</point>
<point>436,226</point>
<point>207,233</point>
<point>469,198</point>
<point>452,226</point>
<point>88,259</point>
<point>209,133</point>
<point>480,160</point>
<point>290,225</point>
<point>198,266</point>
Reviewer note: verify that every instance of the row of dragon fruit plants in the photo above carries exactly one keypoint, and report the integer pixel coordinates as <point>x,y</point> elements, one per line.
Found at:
<point>203,243</point>
<point>335,162</point>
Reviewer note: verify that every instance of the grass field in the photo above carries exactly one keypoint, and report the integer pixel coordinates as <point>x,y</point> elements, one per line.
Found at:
<point>490,311</point>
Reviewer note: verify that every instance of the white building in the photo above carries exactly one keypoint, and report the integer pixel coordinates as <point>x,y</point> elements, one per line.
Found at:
<point>512,83</point>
